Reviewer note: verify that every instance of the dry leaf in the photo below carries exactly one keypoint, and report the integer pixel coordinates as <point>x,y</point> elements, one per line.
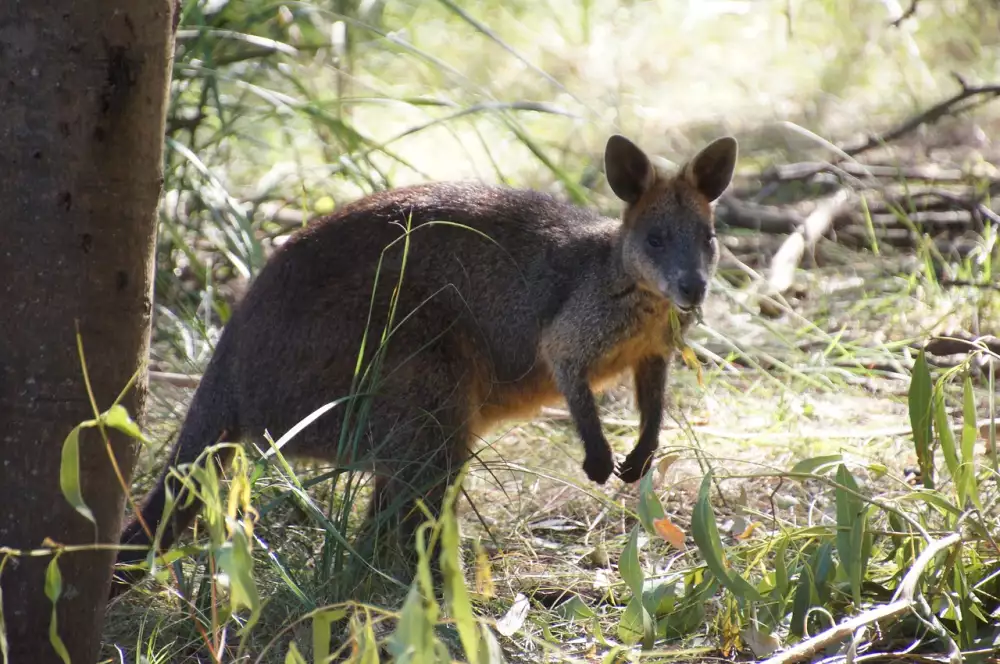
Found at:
<point>670,533</point>
<point>663,464</point>
<point>513,620</point>
<point>752,526</point>
<point>691,359</point>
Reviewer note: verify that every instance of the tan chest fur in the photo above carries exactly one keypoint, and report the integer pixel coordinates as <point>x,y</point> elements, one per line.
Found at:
<point>647,335</point>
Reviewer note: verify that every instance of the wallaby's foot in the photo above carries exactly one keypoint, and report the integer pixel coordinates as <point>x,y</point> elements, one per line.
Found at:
<point>635,466</point>
<point>599,466</point>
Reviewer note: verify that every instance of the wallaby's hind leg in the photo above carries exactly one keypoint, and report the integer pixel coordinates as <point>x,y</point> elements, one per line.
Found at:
<point>395,514</point>
<point>416,463</point>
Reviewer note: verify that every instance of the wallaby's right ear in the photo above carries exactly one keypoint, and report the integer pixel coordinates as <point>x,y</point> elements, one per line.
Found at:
<point>628,169</point>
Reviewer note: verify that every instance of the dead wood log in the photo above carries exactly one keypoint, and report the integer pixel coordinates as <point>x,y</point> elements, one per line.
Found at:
<point>764,218</point>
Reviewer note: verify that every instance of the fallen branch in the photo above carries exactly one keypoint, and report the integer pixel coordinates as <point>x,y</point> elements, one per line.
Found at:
<point>764,218</point>
<point>175,379</point>
<point>814,227</point>
<point>806,169</point>
<point>956,345</point>
<point>931,115</point>
<point>905,598</point>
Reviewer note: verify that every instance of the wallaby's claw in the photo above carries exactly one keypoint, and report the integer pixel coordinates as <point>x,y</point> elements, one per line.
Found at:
<point>631,471</point>
<point>599,469</point>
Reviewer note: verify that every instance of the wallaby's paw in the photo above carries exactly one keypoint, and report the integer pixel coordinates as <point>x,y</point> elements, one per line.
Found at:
<point>633,469</point>
<point>599,468</point>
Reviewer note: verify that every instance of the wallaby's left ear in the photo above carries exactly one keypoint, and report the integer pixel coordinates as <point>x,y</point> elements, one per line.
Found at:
<point>711,170</point>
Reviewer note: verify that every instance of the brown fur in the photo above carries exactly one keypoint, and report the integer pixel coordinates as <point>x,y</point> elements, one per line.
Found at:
<point>556,302</point>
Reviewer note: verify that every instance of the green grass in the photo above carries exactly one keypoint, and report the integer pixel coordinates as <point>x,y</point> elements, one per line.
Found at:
<point>264,132</point>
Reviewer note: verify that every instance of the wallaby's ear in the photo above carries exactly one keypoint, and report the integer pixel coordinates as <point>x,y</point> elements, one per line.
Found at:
<point>628,169</point>
<point>711,170</point>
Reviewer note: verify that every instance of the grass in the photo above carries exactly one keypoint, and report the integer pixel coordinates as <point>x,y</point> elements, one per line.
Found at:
<point>282,110</point>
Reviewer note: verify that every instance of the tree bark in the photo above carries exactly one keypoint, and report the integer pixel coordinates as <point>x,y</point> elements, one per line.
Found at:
<point>83,92</point>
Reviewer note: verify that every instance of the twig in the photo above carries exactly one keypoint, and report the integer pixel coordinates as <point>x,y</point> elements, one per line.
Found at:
<point>807,169</point>
<point>910,11</point>
<point>956,345</point>
<point>175,379</point>
<point>931,115</point>
<point>814,227</point>
<point>905,598</point>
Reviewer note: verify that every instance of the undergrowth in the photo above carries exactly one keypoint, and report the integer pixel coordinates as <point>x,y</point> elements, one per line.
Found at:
<point>817,469</point>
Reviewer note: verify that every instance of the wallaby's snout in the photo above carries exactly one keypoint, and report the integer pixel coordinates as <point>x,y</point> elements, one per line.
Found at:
<point>691,289</point>
<point>668,243</point>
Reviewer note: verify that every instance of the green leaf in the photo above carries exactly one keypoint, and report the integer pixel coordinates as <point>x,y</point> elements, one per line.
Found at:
<point>575,607</point>
<point>69,472</point>
<point>919,401</point>
<point>614,655</point>
<point>117,417</point>
<point>933,498</point>
<point>944,432</point>
<point>812,588</point>
<point>366,642</point>
<point>456,593</point>
<point>293,656</point>
<point>321,622</point>
<point>810,465</point>
<point>53,590</point>
<point>780,570</point>
<point>805,592</point>
<point>967,487</point>
<point>825,568</point>
<point>682,623</point>
<point>970,428</point>
<point>489,649</point>
<point>706,537</point>
<point>850,531</point>
<point>628,564</point>
<point>630,629</point>
<point>650,507</point>
<point>235,560</point>
<point>636,615</point>
<point>413,640</point>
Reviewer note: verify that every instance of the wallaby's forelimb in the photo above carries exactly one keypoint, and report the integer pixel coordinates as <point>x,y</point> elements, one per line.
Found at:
<point>650,388</point>
<point>599,461</point>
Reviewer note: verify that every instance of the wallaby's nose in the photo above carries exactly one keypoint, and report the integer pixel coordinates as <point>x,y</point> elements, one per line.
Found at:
<point>691,288</point>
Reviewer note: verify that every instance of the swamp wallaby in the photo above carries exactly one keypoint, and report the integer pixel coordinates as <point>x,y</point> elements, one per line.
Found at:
<point>502,301</point>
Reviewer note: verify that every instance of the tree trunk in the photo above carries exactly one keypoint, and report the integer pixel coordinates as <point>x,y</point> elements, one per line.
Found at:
<point>83,90</point>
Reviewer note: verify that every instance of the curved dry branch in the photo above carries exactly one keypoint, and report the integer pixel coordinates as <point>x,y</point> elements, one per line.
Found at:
<point>932,114</point>
<point>904,600</point>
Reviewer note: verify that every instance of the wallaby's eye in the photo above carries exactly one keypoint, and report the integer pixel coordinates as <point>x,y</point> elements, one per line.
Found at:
<point>654,240</point>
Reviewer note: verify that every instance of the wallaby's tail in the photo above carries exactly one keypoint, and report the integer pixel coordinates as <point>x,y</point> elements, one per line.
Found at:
<point>211,418</point>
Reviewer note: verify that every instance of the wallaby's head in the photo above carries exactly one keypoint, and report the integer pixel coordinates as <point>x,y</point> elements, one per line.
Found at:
<point>668,232</point>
